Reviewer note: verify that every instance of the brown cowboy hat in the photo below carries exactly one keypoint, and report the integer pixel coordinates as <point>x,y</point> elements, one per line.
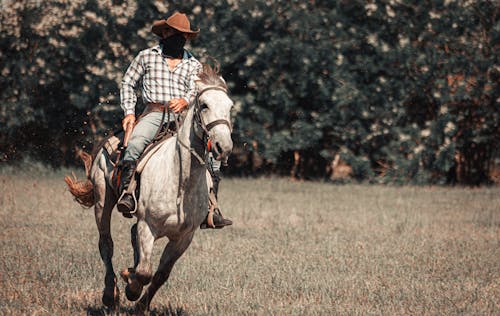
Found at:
<point>178,21</point>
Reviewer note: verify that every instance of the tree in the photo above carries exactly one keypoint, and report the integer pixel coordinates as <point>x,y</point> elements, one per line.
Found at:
<point>401,91</point>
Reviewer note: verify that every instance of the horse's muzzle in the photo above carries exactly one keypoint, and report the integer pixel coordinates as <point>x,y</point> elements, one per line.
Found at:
<point>222,149</point>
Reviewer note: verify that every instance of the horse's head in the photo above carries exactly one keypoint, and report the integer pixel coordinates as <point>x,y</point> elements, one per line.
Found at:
<point>213,112</point>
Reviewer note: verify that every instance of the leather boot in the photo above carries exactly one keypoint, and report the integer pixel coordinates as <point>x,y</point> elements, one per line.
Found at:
<point>218,219</point>
<point>219,222</point>
<point>126,204</point>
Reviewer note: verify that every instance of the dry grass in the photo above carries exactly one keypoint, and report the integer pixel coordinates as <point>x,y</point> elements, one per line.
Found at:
<point>295,248</point>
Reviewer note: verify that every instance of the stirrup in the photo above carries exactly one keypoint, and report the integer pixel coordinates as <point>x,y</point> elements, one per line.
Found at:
<point>215,220</point>
<point>128,214</point>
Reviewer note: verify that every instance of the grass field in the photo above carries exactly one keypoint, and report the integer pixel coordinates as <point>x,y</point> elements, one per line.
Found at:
<point>295,248</point>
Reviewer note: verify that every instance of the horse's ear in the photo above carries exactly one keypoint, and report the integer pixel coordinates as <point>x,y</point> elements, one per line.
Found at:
<point>212,66</point>
<point>220,77</point>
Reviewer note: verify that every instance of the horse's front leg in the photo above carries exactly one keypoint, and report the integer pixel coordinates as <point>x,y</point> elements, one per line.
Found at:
<point>128,273</point>
<point>172,252</point>
<point>103,208</point>
<point>142,241</point>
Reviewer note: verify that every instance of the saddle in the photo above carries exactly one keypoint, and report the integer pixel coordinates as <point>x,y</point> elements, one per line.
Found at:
<point>113,144</point>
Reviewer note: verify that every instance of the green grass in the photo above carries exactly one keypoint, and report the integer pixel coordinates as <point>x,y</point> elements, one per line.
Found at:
<point>299,248</point>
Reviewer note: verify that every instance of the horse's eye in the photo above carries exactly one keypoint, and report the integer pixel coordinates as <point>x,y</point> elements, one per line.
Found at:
<point>203,106</point>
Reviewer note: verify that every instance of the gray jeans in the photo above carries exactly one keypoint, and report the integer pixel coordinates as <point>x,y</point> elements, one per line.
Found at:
<point>142,135</point>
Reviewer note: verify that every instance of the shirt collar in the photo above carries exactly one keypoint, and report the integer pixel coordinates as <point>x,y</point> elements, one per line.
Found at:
<point>186,55</point>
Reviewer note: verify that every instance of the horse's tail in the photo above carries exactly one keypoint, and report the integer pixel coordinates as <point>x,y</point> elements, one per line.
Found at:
<point>83,191</point>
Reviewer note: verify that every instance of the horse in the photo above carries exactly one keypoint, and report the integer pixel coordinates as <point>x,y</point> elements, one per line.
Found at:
<point>173,199</point>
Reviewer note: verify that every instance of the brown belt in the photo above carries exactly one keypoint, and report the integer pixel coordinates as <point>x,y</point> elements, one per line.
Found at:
<point>154,107</point>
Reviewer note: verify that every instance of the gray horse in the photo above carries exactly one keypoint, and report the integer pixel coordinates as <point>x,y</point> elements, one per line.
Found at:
<point>173,199</point>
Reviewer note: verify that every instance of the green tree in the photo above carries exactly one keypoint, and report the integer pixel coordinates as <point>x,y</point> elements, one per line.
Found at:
<point>403,91</point>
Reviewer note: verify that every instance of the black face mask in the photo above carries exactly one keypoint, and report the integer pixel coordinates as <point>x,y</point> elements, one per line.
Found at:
<point>173,46</point>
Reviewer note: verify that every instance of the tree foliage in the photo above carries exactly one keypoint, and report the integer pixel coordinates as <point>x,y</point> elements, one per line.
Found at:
<point>402,91</point>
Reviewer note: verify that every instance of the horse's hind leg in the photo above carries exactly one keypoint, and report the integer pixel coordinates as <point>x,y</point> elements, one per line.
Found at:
<point>172,252</point>
<point>104,206</point>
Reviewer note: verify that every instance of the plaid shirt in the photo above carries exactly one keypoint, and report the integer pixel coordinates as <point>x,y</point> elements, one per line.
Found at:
<point>159,83</point>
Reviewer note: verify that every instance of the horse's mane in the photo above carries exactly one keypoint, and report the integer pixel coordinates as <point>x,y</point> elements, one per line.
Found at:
<point>209,75</point>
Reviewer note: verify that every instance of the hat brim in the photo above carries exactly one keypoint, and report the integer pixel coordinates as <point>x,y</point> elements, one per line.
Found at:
<point>158,26</point>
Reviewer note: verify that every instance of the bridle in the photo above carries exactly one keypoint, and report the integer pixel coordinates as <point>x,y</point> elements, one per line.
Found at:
<point>205,127</point>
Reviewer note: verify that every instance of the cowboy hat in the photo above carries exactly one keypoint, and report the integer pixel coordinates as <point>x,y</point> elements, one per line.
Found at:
<point>178,21</point>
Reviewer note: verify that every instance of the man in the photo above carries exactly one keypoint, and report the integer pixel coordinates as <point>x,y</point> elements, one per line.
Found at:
<point>167,72</point>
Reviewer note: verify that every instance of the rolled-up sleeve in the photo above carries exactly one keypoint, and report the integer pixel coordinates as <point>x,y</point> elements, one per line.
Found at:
<point>132,76</point>
<point>191,92</point>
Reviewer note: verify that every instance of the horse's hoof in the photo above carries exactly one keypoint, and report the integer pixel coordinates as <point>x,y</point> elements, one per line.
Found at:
<point>111,297</point>
<point>141,308</point>
<point>108,299</point>
<point>133,291</point>
<point>143,278</point>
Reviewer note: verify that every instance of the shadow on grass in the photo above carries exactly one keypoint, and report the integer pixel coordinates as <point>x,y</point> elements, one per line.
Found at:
<point>165,311</point>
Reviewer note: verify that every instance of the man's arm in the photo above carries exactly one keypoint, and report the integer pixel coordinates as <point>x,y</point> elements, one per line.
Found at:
<point>191,93</point>
<point>129,83</point>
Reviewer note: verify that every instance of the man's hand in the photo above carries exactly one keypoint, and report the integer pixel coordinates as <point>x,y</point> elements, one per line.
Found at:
<point>128,119</point>
<point>177,105</point>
